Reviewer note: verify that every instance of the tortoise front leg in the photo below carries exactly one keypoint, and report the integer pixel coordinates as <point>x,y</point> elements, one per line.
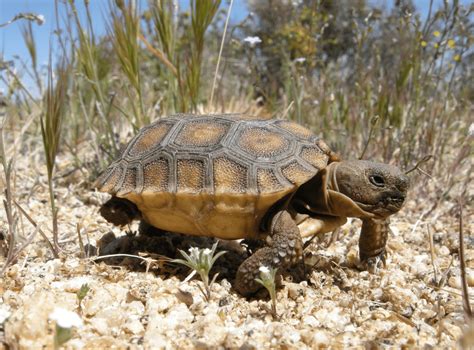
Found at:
<point>372,241</point>
<point>284,248</point>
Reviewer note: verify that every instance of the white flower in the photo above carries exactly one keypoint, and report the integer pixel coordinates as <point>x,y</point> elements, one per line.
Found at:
<point>471,130</point>
<point>253,40</point>
<point>40,20</point>
<point>194,252</point>
<point>263,269</point>
<point>207,251</point>
<point>300,60</point>
<point>65,318</point>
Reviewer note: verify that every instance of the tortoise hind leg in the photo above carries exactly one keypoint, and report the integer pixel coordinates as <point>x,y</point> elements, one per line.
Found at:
<point>119,211</point>
<point>284,248</point>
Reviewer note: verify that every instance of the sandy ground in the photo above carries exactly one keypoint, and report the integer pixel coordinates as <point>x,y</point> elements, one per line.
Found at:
<point>416,301</point>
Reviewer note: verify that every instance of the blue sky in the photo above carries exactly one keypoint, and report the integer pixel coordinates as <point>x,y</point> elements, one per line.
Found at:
<point>11,42</point>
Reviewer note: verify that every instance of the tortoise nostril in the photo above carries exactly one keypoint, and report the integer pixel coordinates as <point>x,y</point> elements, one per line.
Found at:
<point>397,198</point>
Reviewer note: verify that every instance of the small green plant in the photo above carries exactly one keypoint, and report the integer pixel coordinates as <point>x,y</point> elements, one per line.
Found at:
<point>267,279</point>
<point>81,294</point>
<point>51,129</point>
<point>66,321</point>
<point>201,261</point>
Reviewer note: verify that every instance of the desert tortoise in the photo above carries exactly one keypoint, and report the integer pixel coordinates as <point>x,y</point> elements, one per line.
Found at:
<point>231,176</point>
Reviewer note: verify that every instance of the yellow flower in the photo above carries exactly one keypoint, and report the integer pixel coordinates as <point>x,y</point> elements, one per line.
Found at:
<point>457,58</point>
<point>436,33</point>
<point>451,43</point>
<point>424,43</point>
<point>436,45</point>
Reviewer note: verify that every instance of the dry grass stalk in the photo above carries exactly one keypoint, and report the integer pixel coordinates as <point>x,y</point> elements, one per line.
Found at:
<point>202,14</point>
<point>158,54</point>
<point>29,39</point>
<point>462,265</point>
<point>51,129</point>
<point>90,69</point>
<point>124,31</point>
<point>12,219</point>
<point>38,229</point>
<point>229,11</point>
<point>433,255</point>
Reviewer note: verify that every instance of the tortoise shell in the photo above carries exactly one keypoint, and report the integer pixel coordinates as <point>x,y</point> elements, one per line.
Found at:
<point>213,175</point>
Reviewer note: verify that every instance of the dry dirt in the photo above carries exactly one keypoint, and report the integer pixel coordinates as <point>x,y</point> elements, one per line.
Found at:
<point>416,301</point>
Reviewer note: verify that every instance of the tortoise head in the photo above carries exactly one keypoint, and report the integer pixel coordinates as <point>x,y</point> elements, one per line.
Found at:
<point>376,188</point>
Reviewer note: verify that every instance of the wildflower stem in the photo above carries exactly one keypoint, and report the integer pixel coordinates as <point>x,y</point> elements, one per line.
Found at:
<point>220,53</point>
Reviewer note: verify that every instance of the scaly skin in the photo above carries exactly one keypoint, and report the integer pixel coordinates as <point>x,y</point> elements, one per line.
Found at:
<point>372,241</point>
<point>119,211</point>
<point>284,248</point>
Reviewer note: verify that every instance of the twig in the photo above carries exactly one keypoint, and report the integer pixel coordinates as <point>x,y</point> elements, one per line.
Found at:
<point>118,256</point>
<point>373,124</point>
<point>462,265</point>
<point>433,255</point>
<point>285,112</point>
<point>444,276</point>
<point>81,244</point>
<point>423,160</point>
<point>33,222</point>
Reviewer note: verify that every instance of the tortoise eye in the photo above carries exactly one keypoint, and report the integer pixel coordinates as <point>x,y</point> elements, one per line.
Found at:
<point>377,180</point>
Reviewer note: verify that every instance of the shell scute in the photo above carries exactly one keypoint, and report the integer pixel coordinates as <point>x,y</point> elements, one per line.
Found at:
<point>229,175</point>
<point>148,139</point>
<point>201,133</point>
<point>156,175</point>
<point>190,175</point>
<point>260,142</point>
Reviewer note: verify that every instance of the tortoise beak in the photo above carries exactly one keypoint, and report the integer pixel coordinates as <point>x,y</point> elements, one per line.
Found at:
<point>388,204</point>
<point>395,202</point>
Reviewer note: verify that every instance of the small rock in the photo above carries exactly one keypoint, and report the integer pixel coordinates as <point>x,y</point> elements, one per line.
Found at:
<point>4,313</point>
<point>294,290</point>
<point>136,307</point>
<point>470,278</point>
<point>455,282</point>
<point>160,304</point>
<point>332,318</point>
<point>99,325</point>
<point>134,326</point>
<point>443,250</point>
<point>320,338</point>
<point>73,285</point>
<point>184,297</point>
<point>310,321</point>
<point>178,316</point>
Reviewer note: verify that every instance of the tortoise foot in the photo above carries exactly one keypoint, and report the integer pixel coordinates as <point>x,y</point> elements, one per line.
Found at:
<point>284,249</point>
<point>373,263</point>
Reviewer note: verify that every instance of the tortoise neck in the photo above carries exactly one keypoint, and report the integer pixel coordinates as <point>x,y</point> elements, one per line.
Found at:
<point>337,203</point>
<point>331,179</point>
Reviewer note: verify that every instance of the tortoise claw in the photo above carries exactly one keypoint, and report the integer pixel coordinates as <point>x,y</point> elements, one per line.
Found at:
<point>374,263</point>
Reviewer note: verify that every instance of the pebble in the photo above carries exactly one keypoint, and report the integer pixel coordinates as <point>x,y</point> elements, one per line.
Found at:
<point>73,285</point>
<point>455,282</point>
<point>443,251</point>
<point>470,278</point>
<point>134,326</point>
<point>294,290</point>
